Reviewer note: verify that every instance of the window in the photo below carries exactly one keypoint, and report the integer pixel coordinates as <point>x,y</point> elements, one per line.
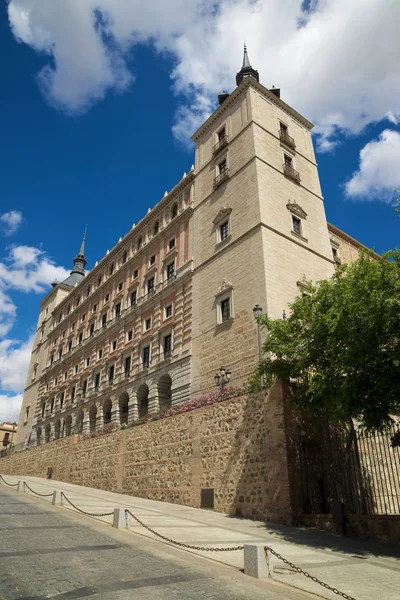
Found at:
<point>174,211</point>
<point>52,405</point>
<point>288,161</point>
<point>118,310</point>
<point>88,361</point>
<point>222,167</point>
<point>283,128</point>
<point>296,225</point>
<point>80,338</point>
<point>62,400</point>
<point>135,273</point>
<point>26,414</point>
<point>63,335</point>
<point>124,257</point>
<point>111,373</point>
<point>171,271</point>
<point>94,308</point>
<point>55,381</point>
<point>221,135</point>
<point>106,298</point>
<point>225,307</point>
<point>76,369</point>
<point>111,269</point>
<point>150,286</point>
<point>97,381</point>
<point>41,335</point>
<point>104,320</point>
<point>133,298</point>
<point>51,359</point>
<point>127,366</point>
<point>65,376</point>
<point>152,259</point>
<point>129,335</point>
<point>146,356</point>
<point>120,286</point>
<point>224,230</point>
<point>100,279</point>
<point>139,243</point>
<point>73,326</point>
<point>43,408</point>
<point>78,300</point>
<point>69,345</point>
<point>73,393</point>
<point>88,291</point>
<point>167,345</point>
<point>83,317</point>
<point>84,387</point>
<point>171,244</point>
<point>168,311</point>
<point>46,311</point>
<point>114,345</point>
<point>59,353</point>
<point>156,228</point>
<point>100,354</point>
<point>147,324</point>
<point>34,372</point>
<point>91,331</point>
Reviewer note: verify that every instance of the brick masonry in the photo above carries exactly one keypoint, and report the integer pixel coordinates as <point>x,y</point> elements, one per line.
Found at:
<point>238,447</point>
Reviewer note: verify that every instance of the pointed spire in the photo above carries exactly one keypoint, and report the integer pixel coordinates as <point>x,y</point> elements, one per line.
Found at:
<point>82,250</point>
<point>78,270</point>
<point>246,70</point>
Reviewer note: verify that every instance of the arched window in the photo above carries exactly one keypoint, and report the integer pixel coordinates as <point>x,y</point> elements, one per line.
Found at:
<point>92,418</point>
<point>123,408</point>
<point>164,392</point>
<point>143,400</point>
<point>107,406</point>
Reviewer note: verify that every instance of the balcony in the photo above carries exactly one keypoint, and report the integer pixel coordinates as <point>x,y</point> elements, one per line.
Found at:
<point>222,142</point>
<point>291,173</point>
<point>287,139</point>
<point>223,175</point>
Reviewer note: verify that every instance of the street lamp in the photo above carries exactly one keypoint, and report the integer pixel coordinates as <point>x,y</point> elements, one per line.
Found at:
<point>257,311</point>
<point>222,378</point>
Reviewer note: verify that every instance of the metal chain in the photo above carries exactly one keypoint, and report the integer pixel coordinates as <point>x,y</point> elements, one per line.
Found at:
<point>299,570</point>
<point>167,539</point>
<point>37,493</point>
<point>107,514</point>
<point>6,482</point>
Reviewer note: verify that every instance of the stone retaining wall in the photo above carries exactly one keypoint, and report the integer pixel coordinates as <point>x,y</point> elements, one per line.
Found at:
<point>238,448</point>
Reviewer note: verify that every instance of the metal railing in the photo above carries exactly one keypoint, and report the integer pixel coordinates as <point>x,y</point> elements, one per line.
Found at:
<point>291,173</point>
<point>222,142</point>
<point>287,139</point>
<point>223,175</point>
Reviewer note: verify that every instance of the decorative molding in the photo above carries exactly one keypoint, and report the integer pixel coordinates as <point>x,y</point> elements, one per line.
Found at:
<point>334,243</point>
<point>226,286</point>
<point>302,282</point>
<point>296,209</point>
<point>222,214</point>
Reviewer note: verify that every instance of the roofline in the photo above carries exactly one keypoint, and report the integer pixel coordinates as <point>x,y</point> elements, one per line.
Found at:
<point>350,239</point>
<point>61,285</point>
<point>250,82</point>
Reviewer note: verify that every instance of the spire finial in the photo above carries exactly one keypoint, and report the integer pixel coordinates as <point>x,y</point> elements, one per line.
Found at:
<point>82,250</point>
<point>246,70</point>
<point>246,63</point>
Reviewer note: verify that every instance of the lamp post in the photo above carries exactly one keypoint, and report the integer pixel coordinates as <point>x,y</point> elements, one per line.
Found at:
<point>257,311</point>
<point>12,437</point>
<point>222,378</point>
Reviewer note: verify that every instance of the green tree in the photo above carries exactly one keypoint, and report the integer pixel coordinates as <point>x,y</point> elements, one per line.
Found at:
<point>340,346</point>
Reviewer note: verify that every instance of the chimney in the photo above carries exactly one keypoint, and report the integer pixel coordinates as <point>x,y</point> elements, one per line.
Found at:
<point>222,97</point>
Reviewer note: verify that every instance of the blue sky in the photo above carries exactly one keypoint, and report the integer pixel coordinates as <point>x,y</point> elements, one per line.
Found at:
<point>97,108</point>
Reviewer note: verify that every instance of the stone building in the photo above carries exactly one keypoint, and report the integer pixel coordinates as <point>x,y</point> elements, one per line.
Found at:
<point>153,321</point>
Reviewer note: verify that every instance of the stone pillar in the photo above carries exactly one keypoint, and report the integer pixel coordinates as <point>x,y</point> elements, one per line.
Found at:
<point>133,411</point>
<point>154,403</point>
<point>115,413</point>
<point>52,432</point>
<point>86,423</point>
<point>62,429</point>
<point>74,424</point>
<point>99,417</point>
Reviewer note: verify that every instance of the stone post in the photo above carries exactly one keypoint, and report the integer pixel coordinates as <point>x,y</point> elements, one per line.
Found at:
<point>52,433</point>
<point>86,423</point>
<point>115,420</point>
<point>154,404</point>
<point>255,563</point>
<point>133,411</point>
<point>99,417</point>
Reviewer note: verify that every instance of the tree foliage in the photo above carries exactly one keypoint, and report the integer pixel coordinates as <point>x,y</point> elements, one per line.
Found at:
<point>340,346</point>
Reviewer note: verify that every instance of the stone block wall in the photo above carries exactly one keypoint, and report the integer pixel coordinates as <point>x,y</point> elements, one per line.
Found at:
<point>237,447</point>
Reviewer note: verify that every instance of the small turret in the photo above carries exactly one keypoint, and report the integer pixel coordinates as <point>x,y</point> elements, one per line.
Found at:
<point>246,70</point>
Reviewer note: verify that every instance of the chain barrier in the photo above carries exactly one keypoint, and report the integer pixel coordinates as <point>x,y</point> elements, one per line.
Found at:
<point>181,544</point>
<point>299,570</point>
<point>6,482</point>
<point>37,493</point>
<point>107,514</point>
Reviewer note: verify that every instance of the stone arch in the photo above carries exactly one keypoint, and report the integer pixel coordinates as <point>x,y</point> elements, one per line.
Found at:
<point>47,433</point>
<point>142,395</point>
<point>92,418</point>
<point>79,422</point>
<point>68,425</point>
<point>107,408</point>
<point>38,436</point>
<point>123,408</point>
<point>164,392</point>
<point>57,429</point>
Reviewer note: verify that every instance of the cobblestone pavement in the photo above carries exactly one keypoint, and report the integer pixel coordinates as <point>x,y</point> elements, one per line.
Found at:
<point>49,553</point>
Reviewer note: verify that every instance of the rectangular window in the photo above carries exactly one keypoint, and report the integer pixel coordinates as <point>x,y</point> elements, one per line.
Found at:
<point>83,317</point>
<point>135,273</point>
<point>114,345</point>
<point>59,353</point>
<point>283,128</point>
<point>80,338</point>
<point>288,161</point>
<point>171,271</point>
<point>97,381</point>
<point>94,308</point>
<point>129,335</point>
<point>225,309</point>
<point>76,369</point>
<point>124,257</point>
<point>224,230</point>
<point>51,359</point>
<point>147,324</point>
<point>111,373</point>
<point>106,298</point>
<point>120,286</point>
<point>221,134</point>
<point>65,376</point>
<point>26,414</point>
<point>88,361</point>
<point>118,310</point>
<point>152,260</point>
<point>146,356</point>
<point>84,387</point>
<point>296,225</point>
<point>52,405</point>
<point>104,320</point>
<point>133,298</point>
<point>150,286</point>
<point>43,408</point>
<point>222,167</point>
<point>168,311</point>
<point>70,346</point>
<point>73,393</point>
<point>100,354</point>
<point>111,270</point>
<point>61,400</point>
<point>127,366</point>
<point>167,345</point>
<point>171,244</point>
<point>63,335</point>
<point>73,326</point>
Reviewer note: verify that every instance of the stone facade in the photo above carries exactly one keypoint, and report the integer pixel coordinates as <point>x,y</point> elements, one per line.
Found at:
<point>238,448</point>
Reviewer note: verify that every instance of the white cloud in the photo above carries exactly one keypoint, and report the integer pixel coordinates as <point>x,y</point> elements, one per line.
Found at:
<point>10,407</point>
<point>324,59</point>
<point>14,363</point>
<point>379,172</point>
<point>10,221</point>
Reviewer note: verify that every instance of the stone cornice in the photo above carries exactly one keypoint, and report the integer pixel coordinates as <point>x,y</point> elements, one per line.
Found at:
<point>347,238</point>
<point>247,83</point>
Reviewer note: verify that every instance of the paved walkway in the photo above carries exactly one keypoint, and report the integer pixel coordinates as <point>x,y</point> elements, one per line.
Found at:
<point>361,568</point>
